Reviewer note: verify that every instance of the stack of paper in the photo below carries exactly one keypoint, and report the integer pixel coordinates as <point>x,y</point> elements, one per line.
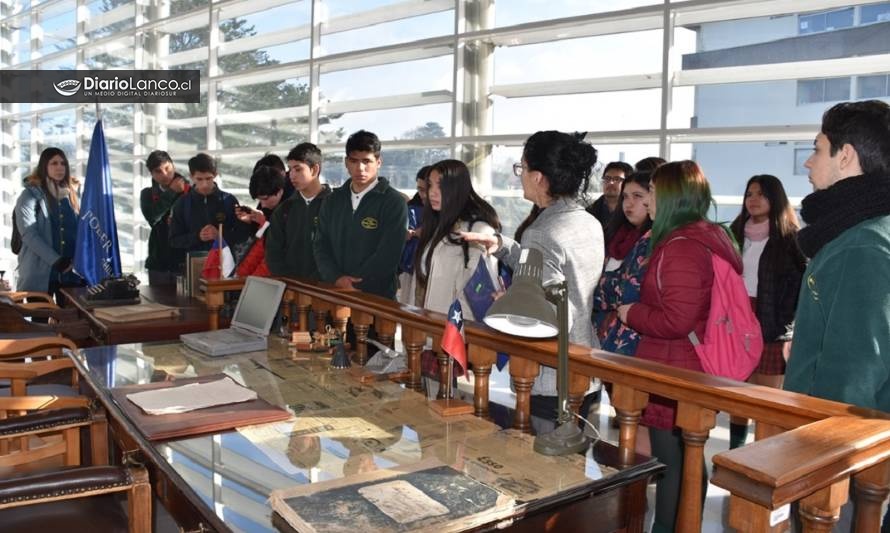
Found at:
<point>134,313</point>
<point>190,397</point>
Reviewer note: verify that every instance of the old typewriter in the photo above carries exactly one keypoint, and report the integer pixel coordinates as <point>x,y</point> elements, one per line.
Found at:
<point>114,290</point>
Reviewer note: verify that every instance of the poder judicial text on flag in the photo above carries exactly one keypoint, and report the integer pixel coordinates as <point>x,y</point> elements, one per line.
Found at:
<point>453,337</point>
<point>98,255</point>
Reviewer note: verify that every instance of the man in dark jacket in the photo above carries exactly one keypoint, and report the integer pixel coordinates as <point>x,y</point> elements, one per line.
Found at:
<point>198,215</point>
<point>289,250</point>
<point>606,204</point>
<point>163,262</point>
<point>362,224</point>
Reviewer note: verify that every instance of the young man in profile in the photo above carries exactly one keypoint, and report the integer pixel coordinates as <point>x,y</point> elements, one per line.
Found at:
<point>289,249</point>
<point>841,348</point>
<point>163,262</point>
<point>198,214</point>
<point>362,224</point>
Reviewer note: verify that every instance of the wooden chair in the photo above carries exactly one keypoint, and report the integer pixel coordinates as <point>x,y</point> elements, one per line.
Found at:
<point>25,361</point>
<point>14,321</point>
<point>37,374</point>
<point>71,497</point>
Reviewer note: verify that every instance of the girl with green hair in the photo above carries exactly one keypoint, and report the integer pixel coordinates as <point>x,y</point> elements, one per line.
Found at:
<point>674,301</point>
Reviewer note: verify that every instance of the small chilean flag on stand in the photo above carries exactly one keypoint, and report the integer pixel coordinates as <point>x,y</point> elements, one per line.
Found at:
<point>453,342</point>
<point>220,264</point>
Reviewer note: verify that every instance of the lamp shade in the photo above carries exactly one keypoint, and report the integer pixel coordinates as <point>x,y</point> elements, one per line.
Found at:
<point>524,310</point>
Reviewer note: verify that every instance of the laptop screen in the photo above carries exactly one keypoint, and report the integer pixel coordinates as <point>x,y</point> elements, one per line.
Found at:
<point>258,304</point>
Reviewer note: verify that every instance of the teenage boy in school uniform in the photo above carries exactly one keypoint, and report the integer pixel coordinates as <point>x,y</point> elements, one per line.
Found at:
<point>362,224</point>
<point>294,224</point>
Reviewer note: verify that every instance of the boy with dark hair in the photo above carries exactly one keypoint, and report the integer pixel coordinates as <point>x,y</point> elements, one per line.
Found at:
<point>362,225</point>
<point>841,348</point>
<point>605,205</point>
<point>163,262</point>
<point>198,214</point>
<point>267,186</point>
<point>289,250</point>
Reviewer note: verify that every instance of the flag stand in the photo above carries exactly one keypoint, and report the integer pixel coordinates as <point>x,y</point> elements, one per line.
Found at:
<point>450,406</point>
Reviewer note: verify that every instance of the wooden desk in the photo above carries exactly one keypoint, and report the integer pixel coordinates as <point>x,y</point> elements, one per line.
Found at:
<point>342,428</point>
<point>192,317</point>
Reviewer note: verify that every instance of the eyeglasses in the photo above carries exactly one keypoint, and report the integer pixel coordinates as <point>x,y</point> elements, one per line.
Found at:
<point>517,169</point>
<point>612,179</point>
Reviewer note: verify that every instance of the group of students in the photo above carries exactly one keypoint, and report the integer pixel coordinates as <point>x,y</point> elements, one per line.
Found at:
<point>637,263</point>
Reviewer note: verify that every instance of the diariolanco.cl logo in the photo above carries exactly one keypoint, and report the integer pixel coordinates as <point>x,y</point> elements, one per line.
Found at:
<point>369,223</point>
<point>67,87</point>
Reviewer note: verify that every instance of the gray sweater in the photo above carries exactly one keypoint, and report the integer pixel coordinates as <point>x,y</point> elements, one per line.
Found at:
<point>571,240</point>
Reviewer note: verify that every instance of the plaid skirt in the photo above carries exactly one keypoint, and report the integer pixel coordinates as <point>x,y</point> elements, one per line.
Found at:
<point>774,355</point>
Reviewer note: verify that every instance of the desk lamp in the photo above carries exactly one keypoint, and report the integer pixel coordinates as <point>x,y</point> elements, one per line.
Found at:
<point>526,310</point>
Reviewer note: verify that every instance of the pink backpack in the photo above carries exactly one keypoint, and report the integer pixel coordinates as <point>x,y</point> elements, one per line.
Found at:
<point>733,341</point>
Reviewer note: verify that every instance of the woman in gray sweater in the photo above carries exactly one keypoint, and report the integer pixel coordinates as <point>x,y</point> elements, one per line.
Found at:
<point>555,170</point>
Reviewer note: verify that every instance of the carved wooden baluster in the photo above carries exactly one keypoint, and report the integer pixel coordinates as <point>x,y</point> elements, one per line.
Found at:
<point>482,359</point>
<point>578,385</point>
<point>443,360</point>
<point>386,333</point>
<point>361,322</point>
<point>696,422</point>
<point>214,302</point>
<point>762,430</point>
<point>284,311</point>
<point>413,340</point>
<point>304,303</point>
<point>629,404</point>
<point>341,319</point>
<point>821,510</point>
<point>523,372</point>
<point>321,314</point>
<point>871,488</point>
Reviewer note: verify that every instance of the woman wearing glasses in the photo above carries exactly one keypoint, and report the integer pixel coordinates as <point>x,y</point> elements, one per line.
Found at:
<point>555,171</point>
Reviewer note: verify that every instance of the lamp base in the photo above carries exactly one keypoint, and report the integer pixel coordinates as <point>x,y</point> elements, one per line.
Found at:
<point>565,439</point>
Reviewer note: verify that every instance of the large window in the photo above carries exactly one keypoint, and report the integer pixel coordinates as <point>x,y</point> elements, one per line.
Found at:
<point>740,87</point>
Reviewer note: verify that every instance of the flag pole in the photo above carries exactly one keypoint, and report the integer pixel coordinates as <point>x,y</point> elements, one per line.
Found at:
<point>220,247</point>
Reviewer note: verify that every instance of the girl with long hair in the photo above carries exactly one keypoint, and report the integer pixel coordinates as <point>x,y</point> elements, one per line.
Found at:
<point>555,172</point>
<point>627,248</point>
<point>766,229</point>
<point>46,215</point>
<point>443,261</point>
<point>674,301</point>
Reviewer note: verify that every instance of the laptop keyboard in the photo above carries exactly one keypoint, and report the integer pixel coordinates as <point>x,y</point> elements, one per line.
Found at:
<point>233,336</point>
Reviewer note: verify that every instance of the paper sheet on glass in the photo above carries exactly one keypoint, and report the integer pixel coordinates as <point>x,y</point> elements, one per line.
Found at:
<point>170,400</point>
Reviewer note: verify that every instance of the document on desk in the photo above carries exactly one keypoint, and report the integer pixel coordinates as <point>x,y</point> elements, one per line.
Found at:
<point>185,398</point>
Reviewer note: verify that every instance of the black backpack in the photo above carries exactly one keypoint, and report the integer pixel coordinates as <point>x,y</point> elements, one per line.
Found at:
<point>16,240</point>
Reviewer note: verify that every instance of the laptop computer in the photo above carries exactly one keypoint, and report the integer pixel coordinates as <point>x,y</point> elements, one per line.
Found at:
<point>249,330</point>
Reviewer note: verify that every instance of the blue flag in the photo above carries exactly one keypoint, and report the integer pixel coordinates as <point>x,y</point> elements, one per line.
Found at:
<point>97,256</point>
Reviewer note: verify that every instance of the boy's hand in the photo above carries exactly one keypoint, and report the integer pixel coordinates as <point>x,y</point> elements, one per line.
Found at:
<point>208,233</point>
<point>346,282</point>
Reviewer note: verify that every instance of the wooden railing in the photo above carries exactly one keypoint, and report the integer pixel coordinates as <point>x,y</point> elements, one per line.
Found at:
<point>699,398</point>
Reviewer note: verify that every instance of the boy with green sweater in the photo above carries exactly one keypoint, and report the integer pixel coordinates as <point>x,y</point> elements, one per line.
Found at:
<point>294,223</point>
<point>362,224</point>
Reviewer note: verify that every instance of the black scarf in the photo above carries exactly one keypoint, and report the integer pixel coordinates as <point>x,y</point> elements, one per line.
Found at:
<point>834,210</point>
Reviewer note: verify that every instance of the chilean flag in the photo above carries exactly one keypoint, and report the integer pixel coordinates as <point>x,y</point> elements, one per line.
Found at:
<point>453,337</point>
<point>218,265</point>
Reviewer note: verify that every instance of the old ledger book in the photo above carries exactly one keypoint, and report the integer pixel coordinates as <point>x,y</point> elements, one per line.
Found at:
<point>134,313</point>
<point>427,496</point>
